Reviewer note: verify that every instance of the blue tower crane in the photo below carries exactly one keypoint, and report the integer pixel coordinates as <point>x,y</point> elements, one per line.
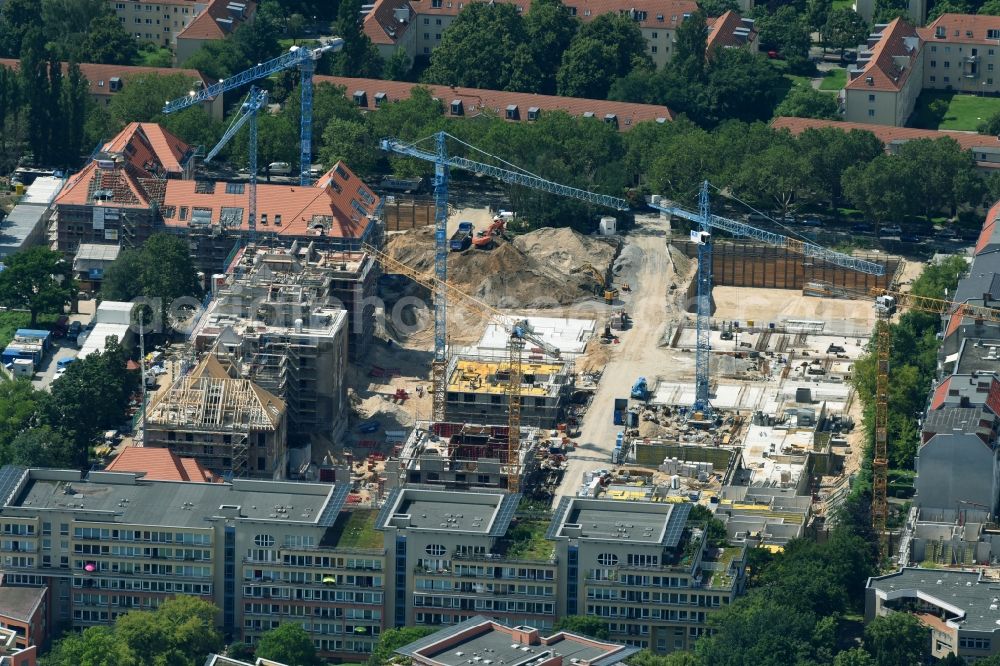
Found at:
<point>298,56</point>
<point>442,162</point>
<point>706,223</point>
<point>255,100</point>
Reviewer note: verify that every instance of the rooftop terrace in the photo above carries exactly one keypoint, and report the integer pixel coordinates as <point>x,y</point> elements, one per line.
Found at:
<point>354,529</point>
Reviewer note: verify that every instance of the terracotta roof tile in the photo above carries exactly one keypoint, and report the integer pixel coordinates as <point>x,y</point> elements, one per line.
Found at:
<point>722,32</point>
<point>885,71</point>
<point>99,76</point>
<point>158,464</point>
<point>207,25</point>
<point>890,135</point>
<point>382,25</point>
<point>962,29</point>
<point>940,393</point>
<point>476,100</point>
<point>993,397</point>
<point>990,233</point>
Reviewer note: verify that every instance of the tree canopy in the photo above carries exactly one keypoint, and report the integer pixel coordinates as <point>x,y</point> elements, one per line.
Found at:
<point>584,625</point>
<point>392,639</point>
<point>289,644</point>
<point>38,280</point>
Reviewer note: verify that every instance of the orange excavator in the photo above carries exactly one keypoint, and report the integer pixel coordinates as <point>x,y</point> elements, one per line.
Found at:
<point>485,240</point>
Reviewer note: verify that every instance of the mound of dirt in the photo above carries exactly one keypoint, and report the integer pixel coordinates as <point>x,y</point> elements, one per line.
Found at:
<point>536,270</point>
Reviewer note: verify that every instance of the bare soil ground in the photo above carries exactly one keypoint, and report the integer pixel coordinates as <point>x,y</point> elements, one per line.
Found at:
<point>775,305</point>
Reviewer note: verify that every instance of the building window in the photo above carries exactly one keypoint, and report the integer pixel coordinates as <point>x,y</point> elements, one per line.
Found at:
<point>427,21</point>
<point>933,63</point>
<point>947,79</point>
<point>435,549</point>
<point>871,113</point>
<point>989,67</point>
<point>264,541</point>
<point>427,35</point>
<point>871,98</point>
<point>607,559</point>
<point>438,36</point>
<point>947,64</point>
<point>438,21</point>
<point>654,35</point>
<point>990,52</point>
<point>652,49</point>
<point>933,79</point>
<point>989,82</point>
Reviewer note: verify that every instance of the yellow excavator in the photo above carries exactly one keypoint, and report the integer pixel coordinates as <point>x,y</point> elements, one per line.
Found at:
<point>610,293</point>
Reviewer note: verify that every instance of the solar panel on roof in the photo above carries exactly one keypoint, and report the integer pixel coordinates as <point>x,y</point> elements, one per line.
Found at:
<point>675,526</point>
<point>557,518</point>
<point>10,475</point>
<point>504,514</point>
<point>390,503</point>
<point>334,505</point>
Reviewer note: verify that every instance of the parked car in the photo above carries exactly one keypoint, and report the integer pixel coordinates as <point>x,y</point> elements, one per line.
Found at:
<point>812,222</point>
<point>63,363</point>
<point>909,238</point>
<point>947,233</point>
<point>861,228</point>
<point>59,328</point>
<point>74,329</point>
<point>890,230</point>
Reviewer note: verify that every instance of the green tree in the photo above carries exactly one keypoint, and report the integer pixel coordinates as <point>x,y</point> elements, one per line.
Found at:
<point>650,658</point>
<point>73,98</point>
<point>120,283</point>
<point>990,8</point>
<point>584,625</point>
<point>358,57</point>
<point>854,657</point>
<point>991,125</point>
<point>107,42</point>
<point>831,151</point>
<point>161,269</point>
<point>392,639</point>
<point>621,36</point>
<point>217,59</point>
<point>38,280</point>
<point>42,447</point>
<point>142,97</point>
<point>257,39</point>
<point>807,102</point>
<point>718,7</point>
<point>948,7</point>
<point>777,179</point>
<point>461,60</point>
<point>56,146</point>
<point>786,32</point>
<point>19,403</point>
<point>689,53</point>
<point>35,85</point>
<point>550,30</point>
<point>948,176</point>
<point>742,86</point>
<point>96,646</point>
<point>817,13</point>
<point>17,18</point>
<point>715,531</point>
<point>397,67</point>
<point>294,26</point>
<point>844,29</point>
<point>72,408</point>
<point>899,638</point>
<point>288,644</point>
<point>883,189</point>
<point>348,141</point>
<point>584,71</point>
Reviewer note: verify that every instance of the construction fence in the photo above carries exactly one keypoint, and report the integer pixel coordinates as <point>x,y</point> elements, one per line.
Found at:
<point>401,214</point>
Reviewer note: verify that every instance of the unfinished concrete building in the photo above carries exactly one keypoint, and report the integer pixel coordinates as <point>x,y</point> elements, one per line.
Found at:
<point>294,349</point>
<point>301,273</point>
<point>477,391</point>
<point>459,456</point>
<point>229,425</point>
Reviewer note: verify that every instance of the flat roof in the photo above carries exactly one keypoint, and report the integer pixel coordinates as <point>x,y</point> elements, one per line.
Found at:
<point>479,639</point>
<point>487,512</point>
<point>43,190</point>
<point>474,376</point>
<point>18,227</point>
<point>97,339</point>
<point>97,252</point>
<point>977,355</point>
<point>640,523</point>
<point>963,593</point>
<point>19,603</point>
<point>175,504</point>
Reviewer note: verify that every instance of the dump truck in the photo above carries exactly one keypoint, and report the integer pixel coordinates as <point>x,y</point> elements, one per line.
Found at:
<point>621,406</point>
<point>461,239</point>
<point>640,390</point>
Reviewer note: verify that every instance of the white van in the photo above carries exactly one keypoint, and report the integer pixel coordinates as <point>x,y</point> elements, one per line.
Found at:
<point>280,169</point>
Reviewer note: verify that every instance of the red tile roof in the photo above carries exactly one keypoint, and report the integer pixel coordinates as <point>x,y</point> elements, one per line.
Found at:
<point>940,393</point>
<point>898,40</point>
<point>158,464</point>
<point>888,134</point>
<point>338,205</point>
<point>99,76</point>
<point>648,13</point>
<point>989,233</point>
<point>961,29</point>
<point>993,398</point>
<point>722,32</point>
<point>207,26</point>
<point>476,100</point>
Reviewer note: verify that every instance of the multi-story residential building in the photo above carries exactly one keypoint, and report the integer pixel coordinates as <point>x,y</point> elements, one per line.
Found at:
<point>416,26</point>
<point>264,552</point>
<point>959,608</point>
<point>458,102</point>
<point>168,22</point>
<point>884,84</point>
<point>106,81</point>
<point>153,464</point>
<point>644,569</point>
<point>11,654</point>
<point>961,52</point>
<point>228,424</point>
<point>457,554</point>
<point>142,183</point>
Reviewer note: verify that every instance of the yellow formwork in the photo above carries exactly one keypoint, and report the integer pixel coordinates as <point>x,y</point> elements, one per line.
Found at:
<point>476,376</point>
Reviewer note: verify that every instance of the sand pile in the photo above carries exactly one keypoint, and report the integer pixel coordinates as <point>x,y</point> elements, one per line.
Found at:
<point>536,270</point>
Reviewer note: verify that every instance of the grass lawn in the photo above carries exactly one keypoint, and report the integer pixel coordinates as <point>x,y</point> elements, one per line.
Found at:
<point>528,541</point>
<point>834,80</point>
<point>356,529</point>
<point>949,111</point>
<point>843,4</point>
<point>10,321</point>
<point>161,57</point>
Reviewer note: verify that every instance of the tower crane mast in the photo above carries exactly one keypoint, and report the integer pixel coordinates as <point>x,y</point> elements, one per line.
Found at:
<point>300,57</point>
<point>255,100</point>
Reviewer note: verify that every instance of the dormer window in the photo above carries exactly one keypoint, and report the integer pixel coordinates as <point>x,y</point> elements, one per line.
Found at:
<point>533,113</point>
<point>380,98</point>
<point>360,98</point>
<point>612,120</point>
<point>456,107</point>
<point>512,113</point>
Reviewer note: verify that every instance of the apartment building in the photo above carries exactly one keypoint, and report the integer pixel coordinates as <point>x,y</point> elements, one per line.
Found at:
<point>181,24</point>
<point>225,423</point>
<point>884,84</point>
<point>11,655</point>
<point>142,182</point>
<point>456,555</point>
<point>218,20</point>
<point>961,53</point>
<point>644,569</point>
<point>25,612</point>
<point>373,94</point>
<point>106,81</point>
<point>264,552</point>
<point>959,608</point>
<point>416,26</point>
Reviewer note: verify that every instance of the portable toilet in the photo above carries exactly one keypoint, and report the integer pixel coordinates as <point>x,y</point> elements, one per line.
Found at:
<point>23,367</point>
<point>608,226</point>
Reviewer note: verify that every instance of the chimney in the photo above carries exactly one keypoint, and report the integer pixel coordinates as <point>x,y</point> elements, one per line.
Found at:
<point>526,635</point>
